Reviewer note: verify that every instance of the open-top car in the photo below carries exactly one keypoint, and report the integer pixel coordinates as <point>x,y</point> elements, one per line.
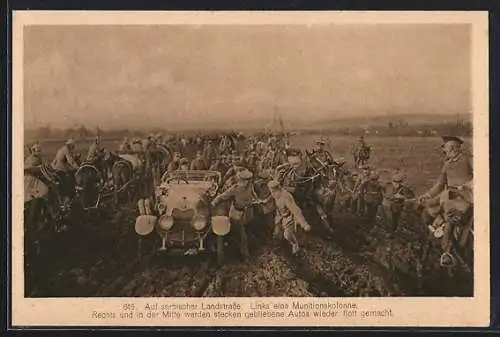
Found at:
<point>181,212</point>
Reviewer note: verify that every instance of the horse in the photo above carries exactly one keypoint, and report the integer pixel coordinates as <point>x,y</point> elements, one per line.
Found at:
<point>126,170</point>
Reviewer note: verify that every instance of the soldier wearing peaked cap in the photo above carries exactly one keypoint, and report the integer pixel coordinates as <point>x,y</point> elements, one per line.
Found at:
<point>288,215</point>
<point>65,164</point>
<point>452,191</point>
<point>321,153</point>
<point>394,196</point>
<point>34,159</point>
<point>242,197</point>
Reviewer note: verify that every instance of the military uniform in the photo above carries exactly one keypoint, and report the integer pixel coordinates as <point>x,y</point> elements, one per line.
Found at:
<point>288,215</point>
<point>453,190</point>
<point>64,164</point>
<point>198,163</point>
<point>372,194</point>
<point>95,150</point>
<point>394,197</point>
<point>241,212</point>
<point>210,153</point>
<point>125,146</point>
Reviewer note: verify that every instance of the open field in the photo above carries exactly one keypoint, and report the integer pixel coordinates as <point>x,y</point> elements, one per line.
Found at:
<point>359,260</point>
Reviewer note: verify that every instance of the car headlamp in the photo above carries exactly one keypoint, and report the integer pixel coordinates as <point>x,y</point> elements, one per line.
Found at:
<point>166,222</point>
<point>199,222</point>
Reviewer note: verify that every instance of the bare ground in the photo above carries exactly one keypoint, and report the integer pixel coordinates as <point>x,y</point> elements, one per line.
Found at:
<point>103,260</point>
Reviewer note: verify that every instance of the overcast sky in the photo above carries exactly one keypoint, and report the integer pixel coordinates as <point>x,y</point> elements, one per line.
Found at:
<point>126,76</point>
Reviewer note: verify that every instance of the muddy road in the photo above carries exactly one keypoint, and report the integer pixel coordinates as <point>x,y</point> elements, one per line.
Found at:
<point>103,260</point>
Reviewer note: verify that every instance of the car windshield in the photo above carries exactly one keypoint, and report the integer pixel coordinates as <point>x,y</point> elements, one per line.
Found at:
<point>191,176</point>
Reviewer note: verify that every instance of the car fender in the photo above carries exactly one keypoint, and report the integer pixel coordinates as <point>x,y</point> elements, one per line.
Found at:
<point>144,224</point>
<point>221,225</point>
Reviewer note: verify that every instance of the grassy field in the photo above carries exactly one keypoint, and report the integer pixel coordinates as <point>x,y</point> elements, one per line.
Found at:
<point>419,157</point>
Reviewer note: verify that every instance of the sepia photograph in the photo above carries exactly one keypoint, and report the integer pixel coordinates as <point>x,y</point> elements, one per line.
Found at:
<point>317,159</point>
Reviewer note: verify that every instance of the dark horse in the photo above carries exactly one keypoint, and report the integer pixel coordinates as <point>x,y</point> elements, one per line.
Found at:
<point>127,171</point>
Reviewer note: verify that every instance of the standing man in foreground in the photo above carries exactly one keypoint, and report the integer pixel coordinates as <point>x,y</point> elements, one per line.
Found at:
<point>242,196</point>
<point>288,215</point>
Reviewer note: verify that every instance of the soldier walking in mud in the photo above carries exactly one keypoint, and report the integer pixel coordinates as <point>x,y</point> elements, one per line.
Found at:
<point>288,215</point>
<point>394,196</point>
<point>372,194</point>
<point>361,152</point>
<point>243,197</point>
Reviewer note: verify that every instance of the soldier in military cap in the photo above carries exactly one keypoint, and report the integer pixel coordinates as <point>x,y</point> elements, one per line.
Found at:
<point>372,193</point>
<point>175,163</point>
<point>125,146</point>
<point>198,163</point>
<point>184,164</point>
<point>137,145</point>
<point>242,196</point>
<point>288,215</point>
<point>95,150</point>
<point>394,197</point>
<point>64,164</point>
<point>210,152</point>
<point>358,198</point>
<point>236,166</point>
<point>321,153</point>
<point>34,159</point>
<point>454,182</point>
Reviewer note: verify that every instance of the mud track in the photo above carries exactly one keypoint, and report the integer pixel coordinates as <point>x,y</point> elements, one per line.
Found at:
<point>103,260</point>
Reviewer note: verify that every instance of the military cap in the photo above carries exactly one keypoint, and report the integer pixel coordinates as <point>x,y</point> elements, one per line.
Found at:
<point>70,141</point>
<point>184,161</point>
<point>374,175</point>
<point>245,175</point>
<point>291,152</point>
<point>320,141</point>
<point>364,167</point>
<point>398,177</point>
<point>273,184</point>
<point>447,139</point>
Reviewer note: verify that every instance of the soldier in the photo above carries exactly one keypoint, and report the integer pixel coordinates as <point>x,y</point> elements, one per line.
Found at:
<point>125,146</point>
<point>251,161</point>
<point>34,160</point>
<point>394,197</point>
<point>184,164</point>
<point>242,196</point>
<point>286,173</point>
<point>358,200</point>
<point>64,164</point>
<point>455,182</point>
<point>372,193</point>
<point>237,166</point>
<point>95,150</point>
<point>321,153</point>
<point>147,142</point>
<point>137,146</point>
<point>198,162</point>
<point>210,152</point>
<point>288,215</point>
<point>175,163</point>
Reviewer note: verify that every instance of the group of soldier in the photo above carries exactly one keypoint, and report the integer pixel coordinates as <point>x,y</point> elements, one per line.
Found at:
<point>241,158</point>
